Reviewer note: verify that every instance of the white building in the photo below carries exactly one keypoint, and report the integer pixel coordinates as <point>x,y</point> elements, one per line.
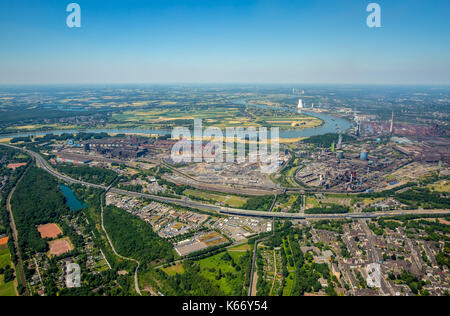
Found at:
<point>73,275</point>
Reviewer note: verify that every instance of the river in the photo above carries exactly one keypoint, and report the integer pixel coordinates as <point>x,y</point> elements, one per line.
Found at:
<point>331,124</point>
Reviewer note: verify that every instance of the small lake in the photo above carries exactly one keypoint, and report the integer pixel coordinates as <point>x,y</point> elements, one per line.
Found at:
<point>71,200</point>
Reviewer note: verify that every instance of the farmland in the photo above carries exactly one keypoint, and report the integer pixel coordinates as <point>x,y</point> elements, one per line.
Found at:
<point>220,116</point>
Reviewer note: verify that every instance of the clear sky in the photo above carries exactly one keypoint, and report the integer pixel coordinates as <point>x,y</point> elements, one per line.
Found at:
<point>225,41</point>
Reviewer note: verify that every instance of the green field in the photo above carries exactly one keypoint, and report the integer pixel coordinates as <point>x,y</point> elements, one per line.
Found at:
<point>291,269</point>
<point>289,284</point>
<point>5,258</point>
<point>8,288</point>
<point>176,269</point>
<point>232,280</point>
<point>240,248</point>
<point>285,203</point>
<point>312,201</point>
<point>440,186</point>
<point>231,200</point>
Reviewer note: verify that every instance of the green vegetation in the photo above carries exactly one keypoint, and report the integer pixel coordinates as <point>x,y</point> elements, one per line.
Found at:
<point>224,273</point>
<point>6,287</point>
<point>327,139</point>
<point>228,200</point>
<point>189,283</point>
<point>299,272</point>
<point>62,137</point>
<point>443,257</point>
<point>424,197</point>
<point>228,270</point>
<point>294,202</point>
<point>37,200</point>
<point>87,173</point>
<point>411,281</point>
<point>174,269</point>
<point>29,114</point>
<point>5,258</point>
<point>328,209</point>
<point>286,176</point>
<point>259,203</point>
<point>6,274</point>
<point>90,217</point>
<point>132,237</point>
<point>387,193</point>
<point>217,115</point>
<point>417,195</point>
<point>418,229</point>
<point>334,226</point>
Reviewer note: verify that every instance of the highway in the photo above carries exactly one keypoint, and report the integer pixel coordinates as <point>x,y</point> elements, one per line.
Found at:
<point>41,163</point>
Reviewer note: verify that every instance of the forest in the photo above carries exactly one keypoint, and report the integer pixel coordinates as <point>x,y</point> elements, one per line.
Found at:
<point>37,200</point>
<point>132,237</point>
<point>259,203</point>
<point>326,140</point>
<point>328,209</point>
<point>89,174</point>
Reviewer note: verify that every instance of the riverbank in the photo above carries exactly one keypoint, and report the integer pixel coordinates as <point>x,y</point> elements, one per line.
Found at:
<point>331,124</point>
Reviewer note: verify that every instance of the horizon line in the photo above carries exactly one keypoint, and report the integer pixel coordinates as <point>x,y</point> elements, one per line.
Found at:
<point>221,83</point>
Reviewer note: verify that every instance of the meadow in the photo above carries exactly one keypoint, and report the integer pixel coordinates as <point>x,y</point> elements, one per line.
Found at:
<point>6,289</point>
<point>226,270</point>
<point>231,200</point>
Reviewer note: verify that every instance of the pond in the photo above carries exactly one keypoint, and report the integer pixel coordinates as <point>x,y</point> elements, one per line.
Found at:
<point>71,200</point>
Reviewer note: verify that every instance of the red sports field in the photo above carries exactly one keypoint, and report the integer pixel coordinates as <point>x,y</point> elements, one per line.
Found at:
<point>60,246</point>
<point>49,230</point>
<point>3,240</point>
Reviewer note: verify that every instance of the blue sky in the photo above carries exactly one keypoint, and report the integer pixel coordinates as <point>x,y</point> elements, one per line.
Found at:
<point>225,41</point>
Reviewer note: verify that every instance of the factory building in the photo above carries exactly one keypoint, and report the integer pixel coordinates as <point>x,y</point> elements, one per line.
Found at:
<point>68,159</point>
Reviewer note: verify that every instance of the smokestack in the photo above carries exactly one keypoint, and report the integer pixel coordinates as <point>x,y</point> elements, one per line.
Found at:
<point>391,130</point>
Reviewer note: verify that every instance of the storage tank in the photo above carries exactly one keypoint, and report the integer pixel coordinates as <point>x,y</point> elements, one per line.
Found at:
<point>364,155</point>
